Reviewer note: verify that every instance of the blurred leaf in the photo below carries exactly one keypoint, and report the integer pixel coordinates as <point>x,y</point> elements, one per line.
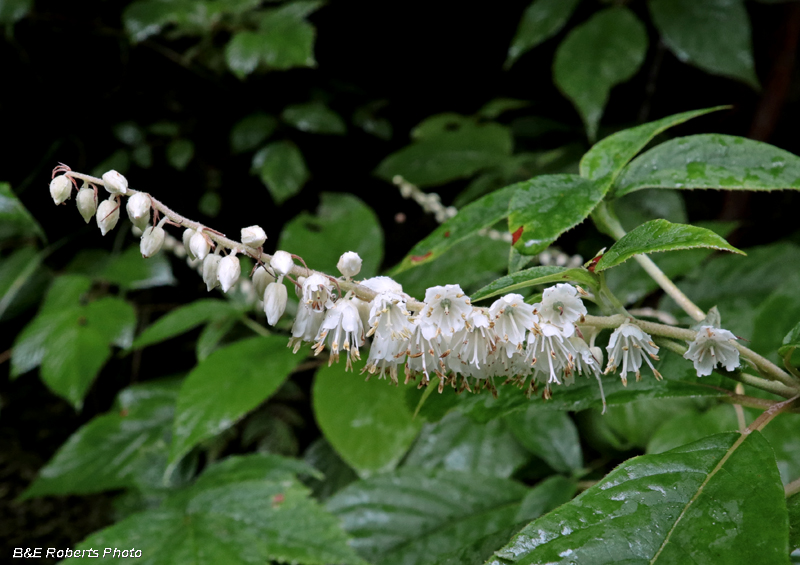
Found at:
<point>606,50</point>
<point>182,320</point>
<point>546,206</point>
<point>633,424</point>
<point>244,52</point>
<point>460,444</point>
<point>661,235</point>
<point>129,133</point>
<point>131,271</point>
<point>210,204</point>
<point>775,317</point>
<point>791,341</point>
<point>534,276</point>
<point>552,436</point>
<point>713,35</point>
<point>213,334</point>
<point>793,506</point>
<point>282,169</point>
<point>15,220</point>
<point>641,206</point>
<point>12,11</point>
<point>226,386</point>
<point>691,426</point>
<point>722,162</point>
<point>497,106</point>
<point>146,17</point>
<point>337,473</point>
<point>449,155</point>
<point>541,20</point>
<point>179,153</point>
<point>165,128</point>
<point>242,510</point>
<point>22,280</point>
<point>365,118</point>
<point>340,218</point>
<point>119,161</point>
<point>314,117</point>
<point>142,155</point>
<point>438,124</point>
<point>781,433</point>
<point>377,427</point>
<point>252,131</point>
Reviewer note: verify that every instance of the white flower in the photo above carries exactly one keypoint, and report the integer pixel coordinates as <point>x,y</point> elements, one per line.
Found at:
<point>282,263</point>
<point>274,302</point>
<point>60,189</point>
<point>152,240</point>
<point>628,346</point>
<point>228,272</point>
<point>199,246</point>
<point>512,318</point>
<point>188,234</point>
<point>261,278</point>
<point>390,329</point>
<point>349,264</point>
<point>87,203</point>
<point>550,352</point>
<point>383,284</point>
<point>341,329</point>
<point>107,215</point>
<point>115,183</point>
<point>711,347</point>
<point>210,269</point>
<point>446,310</point>
<point>306,326</point>
<point>138,208</point>
<point>253,236</point>
<point>472,348</point>
<point>561,305</point>
<point>317,292</point>
<point>424,354</point>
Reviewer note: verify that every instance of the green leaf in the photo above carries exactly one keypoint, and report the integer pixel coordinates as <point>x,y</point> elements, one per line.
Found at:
<point>179,153</point>
<point>282,169</point>
<point>449,155</point>
<point>15,220</point>
<point>182,320</point>
<point>606,159</point>
<point>129,133</point>
<point>243,52</point>
<point>413,516</point>
<point>497,106</point>
<point>722,162</point>
<point>718,500</point>
<point>226,386</point>
<point>22,280</point>
<point>252,131</point>
<point>606,50</point>
<point>336,219</point>
<point>11,11</point>
<point>781,433</point>
<point>113,318</point>
<point>460,444</point>
<point>213,334</point>
<point>314,117</point>
<point>535,276</point>
<point>337,473</point>
<point>793,506</point>
<point>131,271</point>
<point>641,206</point>
<point>546,206</point>
<point>114,450</point>
<point>775,317</point>
<point>235,514</point>
<point>791,341</point>
<point>541,20</point>
<point>661,235</point>
<point>633,425</point>
<point>552,436</point>
<point>713,35</point>
<point>367,423</point>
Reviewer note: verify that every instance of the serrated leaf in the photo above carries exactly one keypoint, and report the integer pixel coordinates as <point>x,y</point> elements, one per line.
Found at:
<point>661,235</point>
<point>544,207</point>
<point>252,131</point>
<point>604,51</point>
<point>282,169</point>
<point>314,117</point>
<point>718,500</point>
<point>460,444</point>
<point>376,428</point>
<point>716,161</point>
<point>542,274</point>
<point>15,220</point>
<point>311,236</point>
<point>713,35</point>
<point>182,320</point>
<point>552,436</point>
<point>225,386</point>
<point>449,155</point>
<point>541,20</point>
<point>179,153</point>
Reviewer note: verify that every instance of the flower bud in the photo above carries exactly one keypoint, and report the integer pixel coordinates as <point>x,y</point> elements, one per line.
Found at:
<point>210,268</point>
<point>228,272</point>
<point>349,264</point>
<point>87,203</point>
<point>187,238</point>
<point>597,353</point>
<point>138,208</point>
<point>274,302</point>
<point>253,236</point>
<point>152,240</point>
<point>107,215</point>
<point>261,278</point>
<point>198,246</point>
<point>60,189</point>
<point>282,263</point>
<point>115,183</point>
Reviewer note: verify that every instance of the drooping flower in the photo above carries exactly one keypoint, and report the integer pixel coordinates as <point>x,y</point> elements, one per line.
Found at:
<point>561,305</point>
<point>424,354</point>
<point>317,292</point>
<point>512,318</point>
<point>87,203</point>
<point>472,348</point>
<point>306,326</point>
<point>210,271</point>
<point>199,246</point>
<point>138,208</point>
<point>107,215</point>
<point>446,310</point>
<point>152,240</point>
<point>550,352</point>
<point>711,347</point>
<point>282,263</point>
<point>115,183</point>
<point>261,278</point>
<point>254,236</point>
<point>349,264</point>
<point>275,297</point>
<point>228,271</point>
<point>628,346</point>
<point>60,189</point>
<point>341,330</point>
<point>188,233</point>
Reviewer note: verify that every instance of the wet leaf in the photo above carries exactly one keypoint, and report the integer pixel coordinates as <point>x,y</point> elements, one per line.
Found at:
<point>541,20</point>
<point>180,153</point>
<point>252,131</point>
<point>15,220</point>
<point>22,280</point>
<point>550,435</point>
<point>314,117</point>
<point>182,320</point>
<point>282,169</point>
<point>535,276</point>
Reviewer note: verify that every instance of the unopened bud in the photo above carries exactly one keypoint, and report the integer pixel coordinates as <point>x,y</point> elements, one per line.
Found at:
<point>261,278</point>
<point>253,236</point>
<point>107,215</point>
<point>60,189</point>
<point>138,208</point>
<point>282,263</point>
<point>87,203</point>
<point>210,268</point>
<point>275,302</point>
<point>349,264</point>
<point>198,246</point>
<point>115,183</point>
<point>152,240</point>
<point>228,272</point>
<point>597,353</point>
<point>187,238</point>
